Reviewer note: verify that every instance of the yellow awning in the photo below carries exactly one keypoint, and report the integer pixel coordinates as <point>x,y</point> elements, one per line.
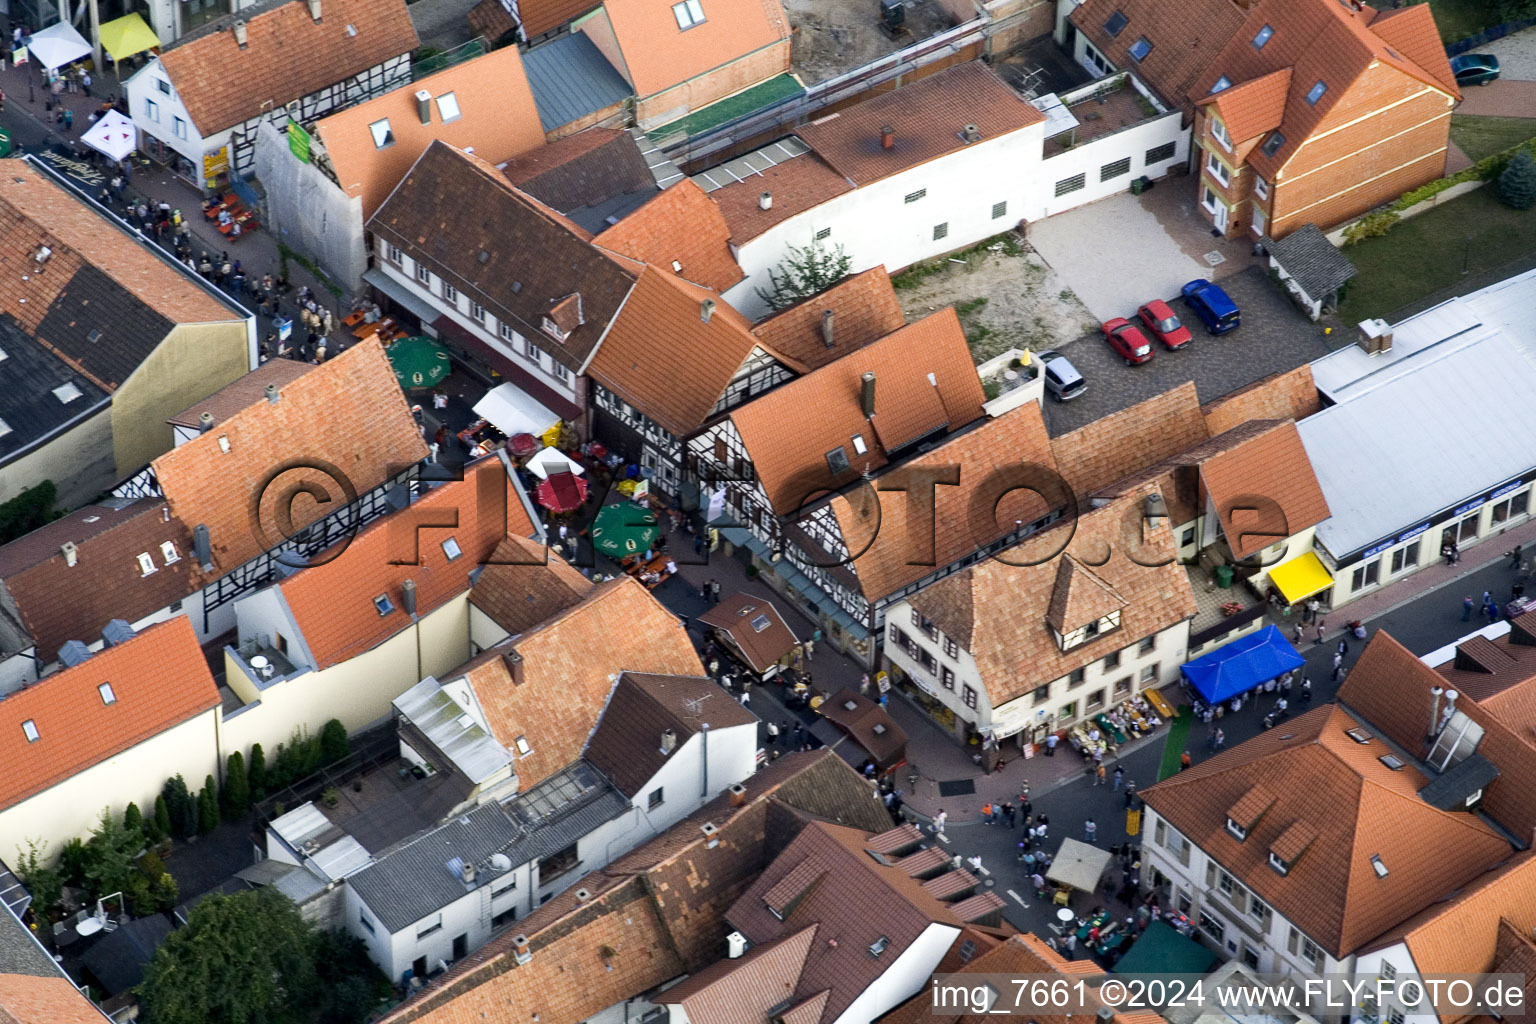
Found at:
<point>126,36</point>
<point>1301,577</point>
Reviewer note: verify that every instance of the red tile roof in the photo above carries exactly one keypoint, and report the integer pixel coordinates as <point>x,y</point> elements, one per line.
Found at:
<point>826,408</point>
<point>246,391</point>
<point>1185,36</point>
<point>1318,41</point>
<point>898,549</point>
<point>663,358</point>
<point>681,231</point>
<point>1254,107</point>
<point>738,617</point>
<point>570,665</point>
<point>798,184</point>
<point>1289,395</point>
<point>1272,466</point>
<point>159,679</point>
<point>523,585</point>
<point>1413,32</point>
<point>927,115</point>
<point>658,55</point>
<point>333,602</point>
<point>864,309</point>
<point>1360,810</point>
<point>287,56</point>
<point>1125,442</point>
<point>541,16</point>
<point>497,118</point>
<point>625,743</point>
<point>28,999</point>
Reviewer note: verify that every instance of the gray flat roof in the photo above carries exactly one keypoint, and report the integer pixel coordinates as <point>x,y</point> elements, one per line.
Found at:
<point>570,79</point>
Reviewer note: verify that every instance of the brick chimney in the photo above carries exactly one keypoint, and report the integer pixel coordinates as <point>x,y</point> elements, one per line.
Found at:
<point>867,394</point>
<point>887,137</point>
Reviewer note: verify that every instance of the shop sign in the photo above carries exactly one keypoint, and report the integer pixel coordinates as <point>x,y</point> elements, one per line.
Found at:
<point>1379,548</point>
<point>216,163</point>
<point>1468,507</point>
<point>1409,535</point>
<point>1513,485</point>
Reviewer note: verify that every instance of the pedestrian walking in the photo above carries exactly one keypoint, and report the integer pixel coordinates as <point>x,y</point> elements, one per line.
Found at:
<point>746,698</point>
<point>86,83</point>
<point>704,590</point>
<point>1322,629</point>
<point>1296,632</point>
<point>1466,608</point>
<point>1008,810</point>
<point>1090,830</point>
<point>1343,646</point>
<point>1119,777</point>
<point>1338,663</point>
<point>1309,610</point>
<point>810,649</point>
<point>773,734</point>
<point>1050,744</point>
<point>1514,556</point>
<point>1098,774</point>
<point>1493,611</point>
<point>1306,691</point>
<point>938,819</point>
<point>714,591</point>
<point>1221,737</point>
<point>1184,761</point>
<point>986,813</point>
<point>864,684</point>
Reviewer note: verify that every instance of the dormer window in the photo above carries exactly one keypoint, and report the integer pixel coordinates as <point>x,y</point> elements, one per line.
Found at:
<point>552,329</point>
<point>1238,832</point>
<point>1220,134</point>
<point>1280,866</point>
<point>1089,631</point>
<point>168,552</point>
<point>146,563</point>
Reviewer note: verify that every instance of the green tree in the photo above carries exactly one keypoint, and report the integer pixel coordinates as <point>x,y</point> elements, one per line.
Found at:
<point>162,820</point>
<point>111,853</point>
<point>208,807</point>
<point>246,958</point>
<point>183,807</point>
<point>1516,187</point>
<point>333,742</point>
<point>166,892</point>
<point>73,860</point>
<point>351,987</point>
<point>805,271</point>
<point>133,819</point>
<point>237,791</point>
<point>256,773</point>
<point>46,884</point>
<point>27,511</point>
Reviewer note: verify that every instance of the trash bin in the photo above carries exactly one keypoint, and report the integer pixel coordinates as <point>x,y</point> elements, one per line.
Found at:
<point>1224,576</point>
<point>5,144</point>
<point>1138,186</point>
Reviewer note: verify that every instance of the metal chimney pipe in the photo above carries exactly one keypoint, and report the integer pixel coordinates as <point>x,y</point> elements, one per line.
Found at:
<point>827,316</point>
<point>704,761</point>
<point>271,392</point>
<point>765,201</point>
<point>314,9</point>
<point>867,394</point>
<point>1434,709</point>
<point>408,596</point>
<point>424,106</point>
<point>205,422</point>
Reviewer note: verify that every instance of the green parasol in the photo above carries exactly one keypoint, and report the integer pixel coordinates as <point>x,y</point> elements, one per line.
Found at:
<point>624,529</point>
<point>419,363</point>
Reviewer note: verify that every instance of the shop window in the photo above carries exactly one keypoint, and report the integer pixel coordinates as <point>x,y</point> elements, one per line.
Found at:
<point>1367,575</point>
<point>1405,557</point>
<point>1468,529</point>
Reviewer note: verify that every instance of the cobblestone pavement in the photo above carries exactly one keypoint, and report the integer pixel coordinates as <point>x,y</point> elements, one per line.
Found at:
<point>1274,337</point>
<point>1517,56</point>
<point>1506,97</point>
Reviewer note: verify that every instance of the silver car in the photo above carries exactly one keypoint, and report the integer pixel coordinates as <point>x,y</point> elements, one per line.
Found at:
<point>1061,378</point>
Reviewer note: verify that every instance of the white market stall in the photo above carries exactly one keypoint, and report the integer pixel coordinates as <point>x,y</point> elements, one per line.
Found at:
<point>58,45</point>
<point>114,135</point>
<point>513,411</point>
<point>552,460</point>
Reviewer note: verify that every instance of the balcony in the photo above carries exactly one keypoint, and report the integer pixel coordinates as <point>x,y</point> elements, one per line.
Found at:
<point>262,663</point>
<point>1101,108</point>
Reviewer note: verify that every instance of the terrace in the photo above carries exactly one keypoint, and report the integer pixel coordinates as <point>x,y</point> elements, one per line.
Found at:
<point>1095,110</point>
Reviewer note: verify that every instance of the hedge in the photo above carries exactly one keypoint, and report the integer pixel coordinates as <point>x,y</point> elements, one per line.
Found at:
<point>1381,221</point>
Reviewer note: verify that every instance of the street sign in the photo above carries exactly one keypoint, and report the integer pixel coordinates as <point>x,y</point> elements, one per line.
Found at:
<point>1132,823</point>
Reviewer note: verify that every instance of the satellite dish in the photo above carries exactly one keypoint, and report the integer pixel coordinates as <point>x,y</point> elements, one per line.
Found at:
<point>500,862</point>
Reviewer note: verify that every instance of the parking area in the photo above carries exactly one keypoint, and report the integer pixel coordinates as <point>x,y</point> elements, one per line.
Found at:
<point>1274,337</point>
<point>1119,252</point>
<point>1516,53</point>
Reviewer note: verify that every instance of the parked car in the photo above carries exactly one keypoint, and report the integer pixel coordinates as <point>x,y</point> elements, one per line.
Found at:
<point>1127,341</point>
<point>1061,378</point>
<point>1475,68</point>
<point>1157,316</point>
<point>1212,305</point>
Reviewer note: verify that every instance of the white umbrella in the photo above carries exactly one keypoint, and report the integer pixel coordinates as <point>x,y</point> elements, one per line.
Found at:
<point>551,460</point>
<point>114,135</point>
<point>1078,865</point>
<point>58,45</point>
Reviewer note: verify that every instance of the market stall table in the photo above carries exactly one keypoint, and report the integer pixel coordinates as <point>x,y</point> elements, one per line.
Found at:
<point>753,631</point>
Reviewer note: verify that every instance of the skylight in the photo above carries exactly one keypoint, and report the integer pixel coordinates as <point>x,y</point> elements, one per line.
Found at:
<point>451,549</point>
<point>1316,92</point>
<point>1263,37</point>
<point>448,107</point>
<point>1273,143</point>
<point>859,447</point>
<point>168,552</point>
<point>382,136</point>
<point>1392,761</point>
<point>5,428</point>
<point>29,730</point>
<point>1221,83</point>
<point>1116,23</point>
<point>760,623</point>
<point>383,604</point>
<point>521,743</point>
<point>1377,866</point>
<point>1359,735</point>
<point>1140,48</point>
<point>107,696</point>
<point>67,392</point>
<point>837,460</point>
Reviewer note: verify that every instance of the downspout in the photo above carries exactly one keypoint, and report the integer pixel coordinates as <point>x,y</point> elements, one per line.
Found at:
<point>704,761</point>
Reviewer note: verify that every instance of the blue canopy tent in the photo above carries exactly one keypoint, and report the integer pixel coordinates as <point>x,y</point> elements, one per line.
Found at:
<point>1242,664</point>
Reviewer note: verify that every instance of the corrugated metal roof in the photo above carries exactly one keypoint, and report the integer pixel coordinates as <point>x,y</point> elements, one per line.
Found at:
<point>570,79</point>
<point>341,858</point>
<point>453,730</point>
<point>1425,440</point>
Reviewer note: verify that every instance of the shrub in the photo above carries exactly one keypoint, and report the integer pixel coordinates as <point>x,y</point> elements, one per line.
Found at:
<point>1372,225</point>
<point>73,861</point>
<point>161,825</point>
<point>208,807</point>
<point>237,792</point>
<point>182,806</point>
<point>27,511</point>
<point>333,742</point>
<point>1517,184</point>
<point>167,892</point>
<point>133,820</point>
<point>256,773</point>
<point>46,884</point>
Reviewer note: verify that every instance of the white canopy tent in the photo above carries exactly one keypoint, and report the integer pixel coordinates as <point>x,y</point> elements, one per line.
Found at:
<point>552,460</point>
<point>58,45</point>
<point>113,135</point>
<point>1079,865</point>
<point>513,411</point>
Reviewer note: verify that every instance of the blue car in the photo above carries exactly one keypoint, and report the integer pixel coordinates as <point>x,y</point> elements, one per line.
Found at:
<point>1475,68</point>
<point>1212,305</point>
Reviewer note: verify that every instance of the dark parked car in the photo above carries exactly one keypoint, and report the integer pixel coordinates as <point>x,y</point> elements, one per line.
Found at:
<point>1157,316</point>
<point>1212,305</point>
<point>1127,341</point>
<point>1061,378</point>
<point>1475,68</point>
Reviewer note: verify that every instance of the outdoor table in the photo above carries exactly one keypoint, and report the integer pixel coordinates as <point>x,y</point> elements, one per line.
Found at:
<point>1064,915</point>
<point>1158,702</point>
<point>1112,943</point>
<point>1097,920</point>
<point>1109,728</point>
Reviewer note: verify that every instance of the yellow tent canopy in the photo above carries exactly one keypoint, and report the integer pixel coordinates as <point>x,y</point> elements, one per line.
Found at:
<point>126,36</point>
<point>1301,577</point>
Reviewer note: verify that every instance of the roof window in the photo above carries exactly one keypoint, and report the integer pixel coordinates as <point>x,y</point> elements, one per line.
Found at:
<point>1263,37</point>
<point>1116,24</point>
<point>383,604</point>
<point>5,428</point>
<point>1273,143</point>
<point>107,696</point>
<point>688,14</point>
<point>521,743</point>
<point>1392,761</point>
<point>67,392</point>
<point>29,730</point>
<point>1359,735</point>
<point>1316,93</point>
<point>1238,832</point>
<point>146,563</point>
<point>168,552</point>
<point>1221,83</point>
<point>382,135</point>
<point>760,623</point>
<point>879,946</point>
<point>837,461</point>
<point>1140,48</point>
<point>1377,866</point>
<point>859,447</point>
<point>448,107</point>
<point>451,549</point>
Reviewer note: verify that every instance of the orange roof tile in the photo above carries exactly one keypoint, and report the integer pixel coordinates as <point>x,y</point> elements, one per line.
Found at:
<point>826,408</point>
<point>496,117</point>
<point>1271,466</point>
<point>588,169</point>
<point>1080,596</point>
<point>664,359</point>
<point>28,999</point>
<point>1360,809</point>
<point>570,665</point>
<point>897,549</point>
<point>658,55</point>
<point>864,309</point>
<point>927,115</point>
<point>333,601</point>
<point>680,230</point>
<point>1128,441</point>
<point>523,584</point>
<point>159,679</point>
<point>287,56</point>
<point>541,16</point>
<point>243,392</point>
<point>798,184</point>
<point>1318,41</point>
<point>345,424</point>
<point>742,991</point>
<point>1252,108</point>
<point>1413,32</point>
<point>1288,395</point>
<point>1000,612</point>
<point>1185,36</point>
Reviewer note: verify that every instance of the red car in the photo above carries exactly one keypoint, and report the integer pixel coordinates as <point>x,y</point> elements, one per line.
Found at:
<point>1127,340</point>
<point>1158,317</point>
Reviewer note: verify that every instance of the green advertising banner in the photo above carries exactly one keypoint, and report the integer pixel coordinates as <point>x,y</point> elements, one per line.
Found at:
<point>298,141</point>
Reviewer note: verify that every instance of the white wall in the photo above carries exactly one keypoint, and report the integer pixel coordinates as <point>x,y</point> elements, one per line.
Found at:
<point>906,975</point>
<point>142,87</point>
<point>875,224</point>
<point>1089,158</point>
